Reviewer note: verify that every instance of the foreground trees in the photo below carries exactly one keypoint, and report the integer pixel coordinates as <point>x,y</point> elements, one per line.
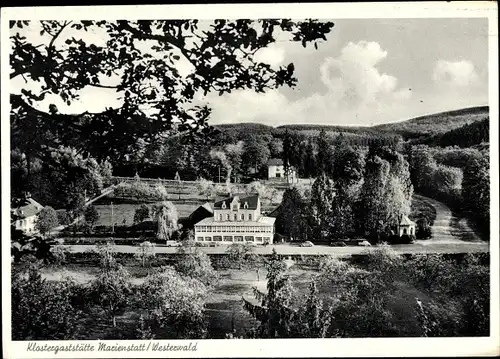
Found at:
<point>277,315</point>
<point>176,308</point>
<point>42,310</point>
<point>382,294</point>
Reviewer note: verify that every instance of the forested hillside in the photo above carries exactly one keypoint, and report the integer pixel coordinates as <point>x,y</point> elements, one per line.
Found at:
<point>435,123</point>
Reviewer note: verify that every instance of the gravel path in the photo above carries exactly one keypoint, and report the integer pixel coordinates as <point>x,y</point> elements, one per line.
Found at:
<point>447,228</point>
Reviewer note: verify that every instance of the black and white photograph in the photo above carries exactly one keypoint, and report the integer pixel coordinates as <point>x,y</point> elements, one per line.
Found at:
<point>174,180</point>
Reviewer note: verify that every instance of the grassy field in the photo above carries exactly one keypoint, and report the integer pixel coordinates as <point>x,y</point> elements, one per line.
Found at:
<point>125,211</point>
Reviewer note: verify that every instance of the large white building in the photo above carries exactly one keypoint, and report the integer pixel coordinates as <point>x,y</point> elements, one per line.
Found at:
<point>236,219</point>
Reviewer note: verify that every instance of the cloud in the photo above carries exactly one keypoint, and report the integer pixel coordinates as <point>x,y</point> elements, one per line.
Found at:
<point>272,55</point>
<point>456,74</point>
<point>356,93</point>
<point>354,77</point>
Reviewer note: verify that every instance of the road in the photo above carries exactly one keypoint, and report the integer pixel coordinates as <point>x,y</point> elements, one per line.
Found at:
<point>287,249</point>
<point>447,228</point>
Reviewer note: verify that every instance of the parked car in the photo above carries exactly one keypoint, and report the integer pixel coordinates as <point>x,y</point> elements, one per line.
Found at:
<point>173,244</point>
<point>307,244</point>
<point>364,244</point>
<point>337,244</point>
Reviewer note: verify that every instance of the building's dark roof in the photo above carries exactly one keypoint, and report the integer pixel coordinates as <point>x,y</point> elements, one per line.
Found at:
<point>199,214</point>
<point>29,208</point>
<point>275,162</point>
<point>275,212</point>
<point>252,199</point>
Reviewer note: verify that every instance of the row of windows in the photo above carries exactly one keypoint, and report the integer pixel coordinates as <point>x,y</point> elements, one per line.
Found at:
<point>234,239</point>
<point>237,229</point>
<point>235,217</point>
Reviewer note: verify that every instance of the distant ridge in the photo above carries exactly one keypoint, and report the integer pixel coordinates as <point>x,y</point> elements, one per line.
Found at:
<point>423,125</point>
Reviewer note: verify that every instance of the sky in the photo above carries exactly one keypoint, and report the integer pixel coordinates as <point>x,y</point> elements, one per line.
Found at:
<point>368,72</point>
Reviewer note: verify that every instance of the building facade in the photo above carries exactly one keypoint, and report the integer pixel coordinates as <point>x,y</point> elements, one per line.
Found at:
<point>236,219</point>
<point>26,215</point>
<point>406,227</point>
<point>276,170</point>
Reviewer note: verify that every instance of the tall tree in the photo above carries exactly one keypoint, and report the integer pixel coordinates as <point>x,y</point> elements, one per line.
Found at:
<point>322,197</point>
<point>278,315</point>
<point>91,217</point>
<point>110,291</point>
<point>167,219</point>
<point>372,207</point>
<point>310,161</point>
<point>46,220</point>
<point>255,152</point>
<point>291,220</point>
<point>476,193</point>
<point>325,154</point>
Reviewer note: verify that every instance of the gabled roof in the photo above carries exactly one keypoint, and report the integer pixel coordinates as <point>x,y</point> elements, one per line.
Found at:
<point>405,221</point>
<point>208,207</point>
<point>29,208</point>
<point>275,162</point>
<point>252,199</point>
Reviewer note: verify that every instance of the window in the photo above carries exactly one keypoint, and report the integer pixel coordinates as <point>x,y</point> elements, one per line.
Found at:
<point>249,216</point>
<point>235,217</point>
<point>249,238</point>
<point>199,239</point>
<point>208,239</point>
<point>258,239</point>
<point>238,238</point>
<point>220,217</point>
<point>266,239</point>
<point>228,238</point>
<point>235,207</point>
<point>404,231</point>
<point>242,217</point>
<point>227,217</point>
<point>217,238</point>
<point>245,205</point>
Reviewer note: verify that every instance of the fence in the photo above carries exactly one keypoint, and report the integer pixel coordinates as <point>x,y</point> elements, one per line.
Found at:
<point>118,179</point>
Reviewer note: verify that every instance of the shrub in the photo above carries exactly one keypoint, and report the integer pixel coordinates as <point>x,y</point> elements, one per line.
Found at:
<point>141,191</point>
<point>42,310</point>
<point>196,264</point>
<point>174,306</point>
<point>141,214</point>
<point>423,230</point>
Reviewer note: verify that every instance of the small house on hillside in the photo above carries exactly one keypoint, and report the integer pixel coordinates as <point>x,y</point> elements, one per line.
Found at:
<point>406,226</point>
<point>26,214</point>
<point>276,170</point>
